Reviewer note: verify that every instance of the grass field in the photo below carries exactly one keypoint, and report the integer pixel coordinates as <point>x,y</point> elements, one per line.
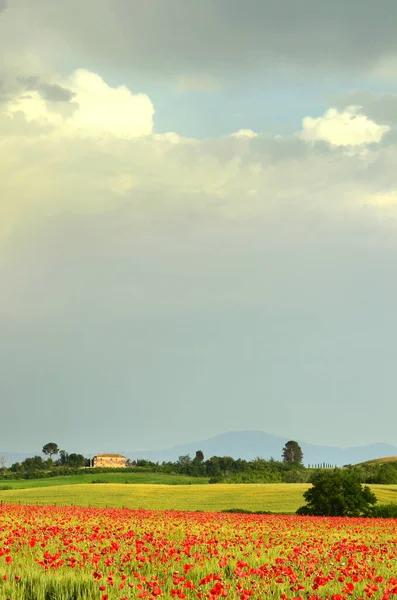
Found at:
<point>280,497</point>
<point>272,497</point>
<point>379,461</point>
<point>128,477</point>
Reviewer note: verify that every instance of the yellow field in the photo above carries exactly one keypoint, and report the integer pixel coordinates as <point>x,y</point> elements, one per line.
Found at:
<point>272,497</point>
<point>278,497</point>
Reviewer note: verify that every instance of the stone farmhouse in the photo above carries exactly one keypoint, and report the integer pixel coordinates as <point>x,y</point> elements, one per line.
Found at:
<point>109,460</point>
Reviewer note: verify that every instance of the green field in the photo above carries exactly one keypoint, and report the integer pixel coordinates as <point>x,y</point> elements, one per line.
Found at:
<point>277,497</point>
<point>378,461</point>
<point>127,477</point>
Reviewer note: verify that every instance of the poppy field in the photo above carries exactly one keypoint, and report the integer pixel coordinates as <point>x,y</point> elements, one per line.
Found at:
<point>70,553</point>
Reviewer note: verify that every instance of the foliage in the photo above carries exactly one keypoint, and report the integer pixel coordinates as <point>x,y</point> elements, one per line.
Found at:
<point>50,449</point>
<point>199,457</point>
<point>385,511</point>
<point>385,474</point>
<point>292,453</point>
<point>216,469</point>
<point>337,493</point>
<point>72,460</point>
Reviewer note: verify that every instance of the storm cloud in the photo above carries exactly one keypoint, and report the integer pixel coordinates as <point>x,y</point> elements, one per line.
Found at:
<point>52,92</point>
<point>219,38</point>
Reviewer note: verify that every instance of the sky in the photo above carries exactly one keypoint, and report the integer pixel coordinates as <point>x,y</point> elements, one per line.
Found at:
<point>198,222</point>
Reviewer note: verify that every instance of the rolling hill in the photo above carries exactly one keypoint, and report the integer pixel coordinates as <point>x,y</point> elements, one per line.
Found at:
<point>248,445</point>
<point>251,444</point>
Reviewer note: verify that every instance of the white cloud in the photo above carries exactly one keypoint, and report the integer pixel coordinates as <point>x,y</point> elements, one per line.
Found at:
<point>383,199</point>
<point>34,108</point>
<point>112,110</point>
<point>99,109</point>
<point>98,151</point>
<point>247,133</point>
<point>347,128</point>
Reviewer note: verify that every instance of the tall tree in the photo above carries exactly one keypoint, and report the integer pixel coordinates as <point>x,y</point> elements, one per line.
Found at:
<point>199,457</point>
<point>63,458</point>
<point>292,453</point>
<point>50,449</point>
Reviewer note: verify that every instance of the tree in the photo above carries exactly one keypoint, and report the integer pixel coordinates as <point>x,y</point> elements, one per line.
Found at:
<point>199,457</point>
<point>184,464</point>
<point>63,458</point>
<point>50,449</point>
<point>292,453</point>
<point>33,463</point>
<point>387,474</point>
<point>76,460</point>
<point>184,460</point>
<point>337,493</point>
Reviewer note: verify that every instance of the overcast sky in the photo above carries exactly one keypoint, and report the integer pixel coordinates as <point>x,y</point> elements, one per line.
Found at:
<point>198,221</point>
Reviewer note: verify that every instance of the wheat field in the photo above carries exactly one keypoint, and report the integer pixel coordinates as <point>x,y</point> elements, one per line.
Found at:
<point>278,498</point>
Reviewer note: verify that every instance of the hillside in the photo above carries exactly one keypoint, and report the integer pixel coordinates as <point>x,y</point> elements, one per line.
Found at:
<point>250,444</point>
<point>378,461</point>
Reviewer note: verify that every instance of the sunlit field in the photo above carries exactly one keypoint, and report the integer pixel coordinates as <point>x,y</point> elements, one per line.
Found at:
<point>135,477</point>
<point>279,498</point>
<point>216,497</point>
<point>70,553</point>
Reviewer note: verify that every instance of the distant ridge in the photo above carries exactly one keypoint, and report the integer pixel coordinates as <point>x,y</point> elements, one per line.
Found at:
<point>251,444</point>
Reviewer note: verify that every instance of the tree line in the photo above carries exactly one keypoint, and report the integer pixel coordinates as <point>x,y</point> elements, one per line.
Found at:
<point>218,469</point>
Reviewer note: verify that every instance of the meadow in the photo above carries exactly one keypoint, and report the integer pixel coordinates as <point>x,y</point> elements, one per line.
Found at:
<point>75,553</point>
<point>129,477</point>
<point>271,497</point>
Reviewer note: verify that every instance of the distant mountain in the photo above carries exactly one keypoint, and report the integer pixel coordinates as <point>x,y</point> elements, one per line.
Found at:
<point>251,444</point>
<point>248,445</point>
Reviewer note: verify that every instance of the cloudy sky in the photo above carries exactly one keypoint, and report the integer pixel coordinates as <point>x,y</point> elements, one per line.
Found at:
<point>198,221</point>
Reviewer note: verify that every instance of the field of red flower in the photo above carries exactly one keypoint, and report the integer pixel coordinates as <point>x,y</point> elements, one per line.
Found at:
<point>69,553</point>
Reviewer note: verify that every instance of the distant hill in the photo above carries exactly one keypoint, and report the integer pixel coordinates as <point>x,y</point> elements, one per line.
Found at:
<point>378,461</point>
<point>251,444</point>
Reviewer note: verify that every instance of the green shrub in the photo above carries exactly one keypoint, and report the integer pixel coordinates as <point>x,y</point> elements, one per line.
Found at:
<point>216,479</point>
<point>385,511</point>
<point>337,493</point>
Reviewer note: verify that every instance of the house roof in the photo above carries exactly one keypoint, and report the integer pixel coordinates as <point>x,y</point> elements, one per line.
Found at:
<point>109,456</point>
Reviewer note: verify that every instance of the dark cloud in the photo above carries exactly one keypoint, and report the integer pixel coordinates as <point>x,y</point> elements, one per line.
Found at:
<point>220,37</point>
<point>380,107</point>
<point>49,91</point>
